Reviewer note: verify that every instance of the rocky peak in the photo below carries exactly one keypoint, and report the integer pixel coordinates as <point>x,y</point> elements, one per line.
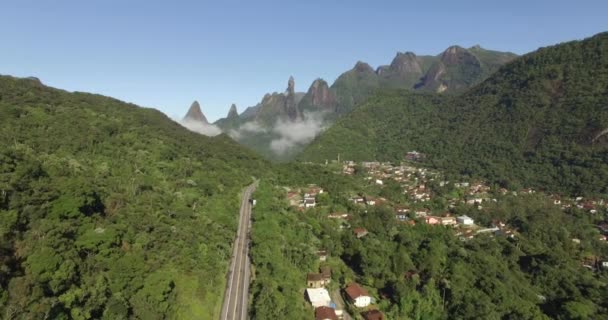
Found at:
<point>458,55</point>
<point>195,113</point>
<point>406,63</point>
<point>320,95</point>
<point>291,107</point>
<point>233,113</point>
<point>291,85</point>
<point>362,67</point>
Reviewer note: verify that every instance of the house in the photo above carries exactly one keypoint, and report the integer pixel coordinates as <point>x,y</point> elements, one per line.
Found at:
<point>358,200</point>
<point>465,220</point>
<point>421,213</point>
<point>371,202</point>
<point>318,297</point>
<point>401,217</point>
<point>325,313</point>
<point>475,201</point>
<point>431,220</point>
<point>448,221</point>
<point>373,315</point>
<point>322,255</point>
<point>379,182</point>
<point>315,280</point>
<point>358,296</point>
<point>309,202</point>
<point>360,232</point>
<point>325,274</point>
<point>338,215</point>
<point>402,209</point>
<point>605,264</point>
<point>293,197</point>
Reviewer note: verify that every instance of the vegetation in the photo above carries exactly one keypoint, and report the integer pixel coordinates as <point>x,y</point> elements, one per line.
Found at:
<point>111,211</point>
<point>540,121</point>
<point>422,271</point>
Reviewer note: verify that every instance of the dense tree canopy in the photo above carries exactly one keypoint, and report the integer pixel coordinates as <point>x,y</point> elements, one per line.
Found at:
<point>111,211</point>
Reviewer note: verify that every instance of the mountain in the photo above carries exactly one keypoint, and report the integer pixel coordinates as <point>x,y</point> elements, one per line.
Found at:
<point>112,211</point>
<point>232,120</point>
<point>539,121</point>
<point>232,113</point>
<point>406,70</point>
<point>458,68</point>
<point>195,113</point>
<point>452,71</point>
<point>277,106</point>
<point>318,98</point>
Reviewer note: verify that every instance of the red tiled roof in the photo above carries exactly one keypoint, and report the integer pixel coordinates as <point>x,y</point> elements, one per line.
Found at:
<point>373,315</point>
<point>355,291</point>
<point>323,313</point>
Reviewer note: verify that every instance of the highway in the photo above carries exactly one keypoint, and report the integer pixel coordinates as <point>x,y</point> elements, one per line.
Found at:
<point>237,287</point>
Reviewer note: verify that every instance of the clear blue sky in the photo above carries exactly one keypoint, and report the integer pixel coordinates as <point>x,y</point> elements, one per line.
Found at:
<point>219,52</point>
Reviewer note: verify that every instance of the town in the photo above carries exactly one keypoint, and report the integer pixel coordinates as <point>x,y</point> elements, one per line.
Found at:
<point>416,195</point>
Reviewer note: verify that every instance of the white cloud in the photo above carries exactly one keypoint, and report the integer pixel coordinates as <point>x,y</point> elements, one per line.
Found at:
<point>248,127</point>
<point>296,133</point>
<point>202,128</point>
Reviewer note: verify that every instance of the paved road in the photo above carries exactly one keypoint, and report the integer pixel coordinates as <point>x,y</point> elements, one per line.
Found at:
<point>237,288</point>
<point>337,299</point>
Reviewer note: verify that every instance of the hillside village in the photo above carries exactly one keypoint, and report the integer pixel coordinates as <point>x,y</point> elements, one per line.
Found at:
<point>424,197</point>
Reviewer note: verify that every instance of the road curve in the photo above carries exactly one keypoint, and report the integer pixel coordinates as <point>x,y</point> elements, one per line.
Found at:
<point>237,287</point>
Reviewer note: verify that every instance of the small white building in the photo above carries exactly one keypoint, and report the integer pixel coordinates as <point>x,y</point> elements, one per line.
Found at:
<point>309,202</point>
<point>358,296</point>
<point>465,220</point>
<point>318,297</point>
<point>379,182</point>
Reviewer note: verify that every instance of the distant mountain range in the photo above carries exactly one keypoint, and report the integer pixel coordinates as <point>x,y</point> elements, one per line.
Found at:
<point>542,121</point>
<point>453,71</point>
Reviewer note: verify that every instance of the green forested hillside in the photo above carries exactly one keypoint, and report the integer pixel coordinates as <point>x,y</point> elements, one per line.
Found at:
<point>539,121</point>
<point>111,211</point>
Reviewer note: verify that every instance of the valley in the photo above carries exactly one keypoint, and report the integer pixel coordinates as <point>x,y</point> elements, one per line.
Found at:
<point>450,183</point>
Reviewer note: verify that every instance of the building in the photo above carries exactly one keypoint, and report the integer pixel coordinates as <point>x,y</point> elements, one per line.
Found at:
<point>325,313</point>
<point>358,296</point>
<point>325,274</point>
<point>431,220</point>
<point>322,254</point>
<point>315,280</point>
<point>373,315</point>
<point>465,220</point>
<point>360,232</point>
<point>309,202</point>
<point>318,297</point>
<point>448,221</point>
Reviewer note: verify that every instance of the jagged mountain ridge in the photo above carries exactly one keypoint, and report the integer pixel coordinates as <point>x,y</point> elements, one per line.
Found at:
<point>452,71</point>
<point>539,121</point>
